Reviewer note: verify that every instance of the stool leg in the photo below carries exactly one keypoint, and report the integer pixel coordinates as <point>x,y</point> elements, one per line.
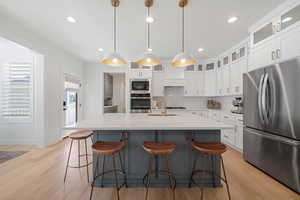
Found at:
<point>213,169</point>
<point>95,175</point>
<point>227,186</point>
<point>194,167</point>
<point>78,153</point>
<point>116,176</point>
<point>103,167</point>
<point>171,181</point>
<point>87,161</point>
<point>68,161</point>
<point>125,175</point>
<point>151,159</point>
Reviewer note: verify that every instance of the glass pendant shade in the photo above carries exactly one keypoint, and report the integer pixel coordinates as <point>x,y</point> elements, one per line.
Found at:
<point>114,59</point>
<point>183,60</point>
<point>149,60</point>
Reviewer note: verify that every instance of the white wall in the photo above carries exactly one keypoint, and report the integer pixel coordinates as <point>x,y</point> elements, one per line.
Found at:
<point>56,62</point>
<point>94,88</point>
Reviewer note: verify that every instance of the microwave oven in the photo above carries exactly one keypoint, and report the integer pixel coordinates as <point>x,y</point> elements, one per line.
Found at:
<point>140,85</point>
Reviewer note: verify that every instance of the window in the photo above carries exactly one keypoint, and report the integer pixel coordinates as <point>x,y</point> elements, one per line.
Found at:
<point>16,94</point>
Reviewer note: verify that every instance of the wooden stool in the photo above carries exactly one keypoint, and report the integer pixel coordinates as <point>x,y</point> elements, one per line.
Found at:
<point>79,136</point>
<point>159,148</point>
<point>113,149</point>
<point>212,148</point>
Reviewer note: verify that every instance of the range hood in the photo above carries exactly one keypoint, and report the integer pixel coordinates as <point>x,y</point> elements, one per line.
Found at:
<point>174,83</point>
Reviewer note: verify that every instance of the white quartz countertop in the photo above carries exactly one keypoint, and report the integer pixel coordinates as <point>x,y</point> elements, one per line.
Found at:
<point>118,121</point>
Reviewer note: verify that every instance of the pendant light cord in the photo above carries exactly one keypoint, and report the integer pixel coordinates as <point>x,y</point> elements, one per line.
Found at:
<point>148,29</point>
<point>115,30</point>
<point>182,30</point>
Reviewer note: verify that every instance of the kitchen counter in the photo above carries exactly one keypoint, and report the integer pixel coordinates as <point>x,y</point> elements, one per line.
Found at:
<point>121,121</point>
<point>179,129</point>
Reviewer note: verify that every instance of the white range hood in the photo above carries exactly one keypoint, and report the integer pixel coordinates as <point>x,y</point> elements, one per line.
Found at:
<point>174,83</point>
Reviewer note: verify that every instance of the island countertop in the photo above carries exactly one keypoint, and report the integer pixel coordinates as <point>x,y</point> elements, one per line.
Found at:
<point>121,121</point>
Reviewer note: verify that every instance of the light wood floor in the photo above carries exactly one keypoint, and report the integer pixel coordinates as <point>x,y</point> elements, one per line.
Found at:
<point>38,175</point>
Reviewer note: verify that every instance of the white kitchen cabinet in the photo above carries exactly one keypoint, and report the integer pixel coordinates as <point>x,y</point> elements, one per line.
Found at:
<point>193,84</point>
<point>210,84</point>
<point>236,76</point>
<point>290,43</point>
<point>239,137</point>
<point>214,115</point>
<point>220,88</point>
<point>226,79</point>
<point>140,74</point>
<point>158,84</point>
<point>264,54</point>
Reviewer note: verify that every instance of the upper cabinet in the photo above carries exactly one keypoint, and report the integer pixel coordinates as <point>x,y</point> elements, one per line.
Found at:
<point>276,40</point>
<point>158,68</point>
<point>210,85</point>
<point>138,72</point>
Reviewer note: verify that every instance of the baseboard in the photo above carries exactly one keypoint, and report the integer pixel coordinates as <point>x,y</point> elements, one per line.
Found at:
<point>19,142</point>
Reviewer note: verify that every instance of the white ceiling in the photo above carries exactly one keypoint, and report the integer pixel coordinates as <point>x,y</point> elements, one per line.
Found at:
<point>206,24</point>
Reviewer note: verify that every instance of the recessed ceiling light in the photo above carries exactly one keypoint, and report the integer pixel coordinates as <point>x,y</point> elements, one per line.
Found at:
<point>149,19</point>
<point>287,19</point>
<point>232,20</point>
<point>71,20</point>
<point>100,49</point>
<point>200,49</point>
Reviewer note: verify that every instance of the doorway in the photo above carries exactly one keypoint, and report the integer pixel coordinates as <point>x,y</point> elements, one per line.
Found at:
<point>71,99</point>
<point>114,93</point>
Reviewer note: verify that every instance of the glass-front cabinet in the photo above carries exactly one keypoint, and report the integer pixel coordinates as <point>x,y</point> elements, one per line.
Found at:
<point>290,17</point>
<point>263,33</point>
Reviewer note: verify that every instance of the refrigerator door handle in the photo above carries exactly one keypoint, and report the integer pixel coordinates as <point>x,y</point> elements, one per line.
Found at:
<point>260,99</point>
<point>264,97</point>
<point>273,100</point>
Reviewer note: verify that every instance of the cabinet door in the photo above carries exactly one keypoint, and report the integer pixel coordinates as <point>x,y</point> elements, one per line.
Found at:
<point>236,76</point>
<point>158,84</point>
<point>289,42</point>
<point>263,33</point>
<point>226,79</point>
<point>210,83</point>
<point>264,54</point>
<point>146,74</point>
<point>239,137</point>
<point>220,84</point>
<point>192,85</point>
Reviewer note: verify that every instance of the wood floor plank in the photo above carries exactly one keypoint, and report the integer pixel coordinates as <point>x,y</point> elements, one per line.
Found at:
<point>38,175</point>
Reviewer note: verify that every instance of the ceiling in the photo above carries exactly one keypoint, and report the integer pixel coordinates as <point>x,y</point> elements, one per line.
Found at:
<point>206,25</point>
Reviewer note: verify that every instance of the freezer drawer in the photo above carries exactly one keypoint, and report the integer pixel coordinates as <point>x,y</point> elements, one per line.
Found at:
<point>275,155</point>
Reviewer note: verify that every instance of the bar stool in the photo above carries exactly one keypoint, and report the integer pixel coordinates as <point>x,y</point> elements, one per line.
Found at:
<point>79,136</point>
<point>211,149</point>
<point>159,148</point>
<point>110,149</point>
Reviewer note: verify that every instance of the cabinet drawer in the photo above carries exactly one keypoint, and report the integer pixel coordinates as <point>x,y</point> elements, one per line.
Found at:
<point>228,136</point>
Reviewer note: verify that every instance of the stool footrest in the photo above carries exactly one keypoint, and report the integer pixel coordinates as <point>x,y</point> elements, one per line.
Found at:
<point>81,166</point>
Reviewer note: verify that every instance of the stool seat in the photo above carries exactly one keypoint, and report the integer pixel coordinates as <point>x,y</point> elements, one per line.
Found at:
<point>107,148</point>
<point>216,148</point>
<point>80,135</point>
<point>159,147</point>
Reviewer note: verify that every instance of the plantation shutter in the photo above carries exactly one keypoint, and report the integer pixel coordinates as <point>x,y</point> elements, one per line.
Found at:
<point>17,91</point>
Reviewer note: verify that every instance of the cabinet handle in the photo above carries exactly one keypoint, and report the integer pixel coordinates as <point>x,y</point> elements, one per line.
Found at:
<point>226,117</point>
<point>225,136</point>
<point>278,53</point>
<point>273,55</point>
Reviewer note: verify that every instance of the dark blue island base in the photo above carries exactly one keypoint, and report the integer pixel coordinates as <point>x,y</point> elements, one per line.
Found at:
<point>135,160</point>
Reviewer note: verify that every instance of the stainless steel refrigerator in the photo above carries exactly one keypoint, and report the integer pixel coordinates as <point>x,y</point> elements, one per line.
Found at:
<point>272,121</point>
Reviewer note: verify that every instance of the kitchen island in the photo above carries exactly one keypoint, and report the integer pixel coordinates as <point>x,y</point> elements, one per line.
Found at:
<point>178,128</point>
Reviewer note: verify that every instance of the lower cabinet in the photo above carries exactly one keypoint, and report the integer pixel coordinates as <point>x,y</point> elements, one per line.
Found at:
<point>233,137</point>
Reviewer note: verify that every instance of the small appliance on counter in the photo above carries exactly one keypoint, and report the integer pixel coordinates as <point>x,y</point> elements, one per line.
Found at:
<point>238,107</point>
<point>212,104</point>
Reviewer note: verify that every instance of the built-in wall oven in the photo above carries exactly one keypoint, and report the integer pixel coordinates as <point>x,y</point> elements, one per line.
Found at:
<point>140,102</point>
<point>140,86</point>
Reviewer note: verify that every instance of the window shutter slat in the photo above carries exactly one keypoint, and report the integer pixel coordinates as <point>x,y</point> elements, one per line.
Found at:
<point>16,91</point>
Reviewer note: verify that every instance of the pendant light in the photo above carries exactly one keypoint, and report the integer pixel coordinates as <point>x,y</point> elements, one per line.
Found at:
<point>183,59</point>
<point>148,59</point>
<point>114,59</point>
